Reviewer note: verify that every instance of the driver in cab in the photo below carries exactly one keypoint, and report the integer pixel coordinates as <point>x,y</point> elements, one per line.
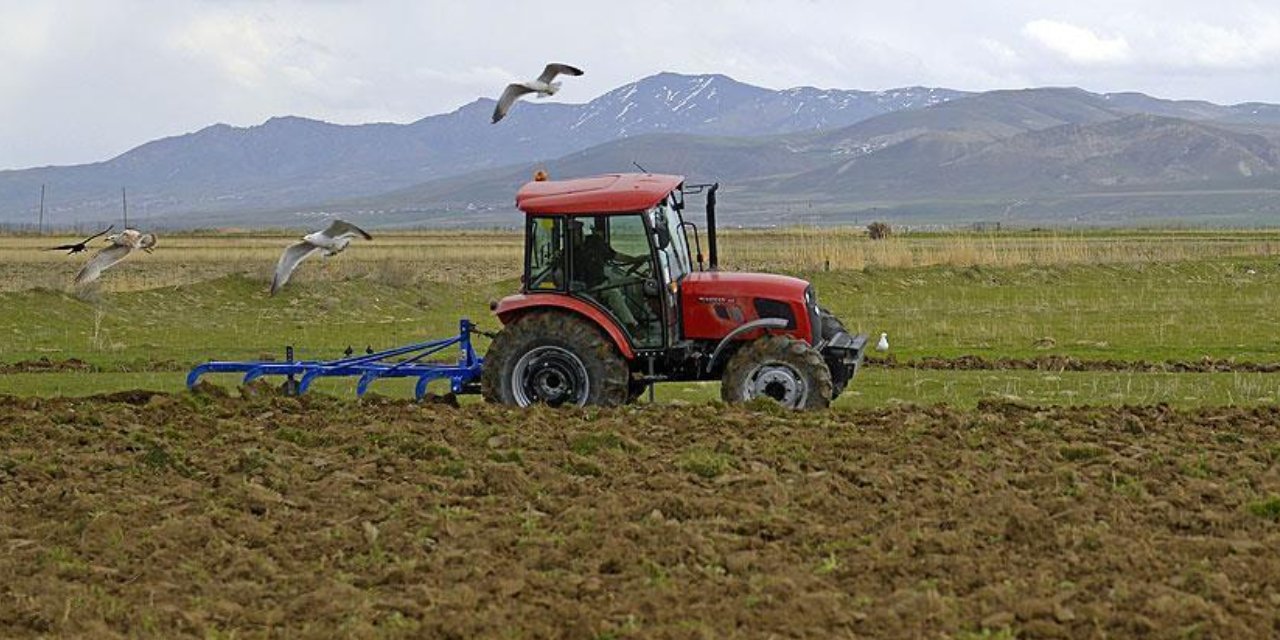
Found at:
<point>600,267</point>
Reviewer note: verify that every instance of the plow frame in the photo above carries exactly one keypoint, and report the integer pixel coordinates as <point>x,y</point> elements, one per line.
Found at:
<point>462,376</point>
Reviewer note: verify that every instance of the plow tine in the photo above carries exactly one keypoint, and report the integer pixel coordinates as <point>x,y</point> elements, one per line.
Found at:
<point>193,378</point>
<point>253,374</point>
<point>365,380</point>
<point>307,378</point>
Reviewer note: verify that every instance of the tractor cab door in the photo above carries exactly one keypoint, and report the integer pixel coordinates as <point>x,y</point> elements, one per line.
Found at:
<point>671,249</point>
<point>613,266</point>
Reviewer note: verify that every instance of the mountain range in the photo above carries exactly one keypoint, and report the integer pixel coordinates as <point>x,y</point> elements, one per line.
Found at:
<point>801,155</point>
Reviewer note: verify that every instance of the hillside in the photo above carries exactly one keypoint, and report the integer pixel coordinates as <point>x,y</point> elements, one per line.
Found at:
<point>1047,155</point>
<point>293,162</point>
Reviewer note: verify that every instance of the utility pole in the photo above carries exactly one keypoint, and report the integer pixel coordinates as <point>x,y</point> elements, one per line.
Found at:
<point>124,202</point>
<point>40,227</point>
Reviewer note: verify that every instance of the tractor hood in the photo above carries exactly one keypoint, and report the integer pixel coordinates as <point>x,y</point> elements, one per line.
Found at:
<point>726,284</point>
<point>716,303</point>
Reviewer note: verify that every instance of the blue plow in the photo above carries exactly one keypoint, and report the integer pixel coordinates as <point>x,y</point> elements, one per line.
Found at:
<point>463,377</point>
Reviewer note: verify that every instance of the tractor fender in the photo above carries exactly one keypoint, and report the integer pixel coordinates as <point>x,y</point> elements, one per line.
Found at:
<point>762,323</point>
<point>511,307</point>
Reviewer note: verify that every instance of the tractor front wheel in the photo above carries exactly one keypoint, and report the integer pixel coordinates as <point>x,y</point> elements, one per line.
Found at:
<point>552,358</point>
<point>780,367</point>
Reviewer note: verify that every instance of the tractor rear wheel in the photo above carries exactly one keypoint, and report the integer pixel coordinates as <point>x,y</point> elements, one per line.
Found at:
<point>788,370</point>
<point>553,358</point>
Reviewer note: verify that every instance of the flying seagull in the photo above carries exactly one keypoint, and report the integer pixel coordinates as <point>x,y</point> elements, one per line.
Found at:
<point>332,241</point>
<point>83,245</point>
<point>122,244</point>
<point>543,86</point>
<point>883,344</point>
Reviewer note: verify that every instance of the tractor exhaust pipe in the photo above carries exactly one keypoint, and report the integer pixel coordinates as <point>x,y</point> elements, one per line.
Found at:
<point>713,261</point>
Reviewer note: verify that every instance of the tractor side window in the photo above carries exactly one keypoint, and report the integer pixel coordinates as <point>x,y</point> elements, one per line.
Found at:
<point>546,254</point>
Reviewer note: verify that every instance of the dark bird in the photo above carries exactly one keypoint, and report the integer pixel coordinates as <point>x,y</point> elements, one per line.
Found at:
<point>349,351</point>
<point>368,349</point>
<point>543,86</point>
<point>83,245</point>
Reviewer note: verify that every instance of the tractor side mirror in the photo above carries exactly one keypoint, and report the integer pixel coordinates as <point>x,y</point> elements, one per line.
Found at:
<point>660,231</point>
<point>663,236</point>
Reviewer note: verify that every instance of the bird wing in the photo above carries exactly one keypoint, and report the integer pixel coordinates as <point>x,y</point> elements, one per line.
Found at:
<point>556,68</point>
<point>104,231</point>
<point>508,98</point>
<point>339,228</point>
<point>289,260</point>
<point>100,262</point>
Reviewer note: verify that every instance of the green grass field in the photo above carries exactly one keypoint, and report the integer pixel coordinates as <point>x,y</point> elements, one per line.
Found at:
<point>1201,295</point>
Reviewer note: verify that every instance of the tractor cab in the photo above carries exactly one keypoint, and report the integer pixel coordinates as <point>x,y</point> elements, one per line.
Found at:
<point>614,299</point>
<point>625,264</point>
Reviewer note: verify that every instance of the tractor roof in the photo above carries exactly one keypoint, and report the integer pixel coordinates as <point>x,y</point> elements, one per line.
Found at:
<point>611,193</point>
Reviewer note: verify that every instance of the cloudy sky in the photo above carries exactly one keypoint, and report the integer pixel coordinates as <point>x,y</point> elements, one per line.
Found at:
<point>85,80</point>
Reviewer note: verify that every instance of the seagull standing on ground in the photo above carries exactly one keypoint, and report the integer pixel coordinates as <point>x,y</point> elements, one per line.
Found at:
<point>543,86</point>
<point>883,344</point>
<point>122,244</point>
<point>83,245</point>
<point>332,241</point>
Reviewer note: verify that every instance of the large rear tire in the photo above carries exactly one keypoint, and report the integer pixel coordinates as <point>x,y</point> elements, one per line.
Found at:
<point>788,370</point>
<point>553,358</point>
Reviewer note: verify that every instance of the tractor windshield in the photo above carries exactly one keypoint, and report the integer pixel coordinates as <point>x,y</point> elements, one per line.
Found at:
<point>673,258</point>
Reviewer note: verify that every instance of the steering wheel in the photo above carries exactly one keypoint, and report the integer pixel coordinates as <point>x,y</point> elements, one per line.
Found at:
<point>631,268</point>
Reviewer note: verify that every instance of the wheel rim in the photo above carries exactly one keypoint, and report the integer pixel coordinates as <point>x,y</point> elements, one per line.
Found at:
<point>550,375</point>
<point>778,381</point>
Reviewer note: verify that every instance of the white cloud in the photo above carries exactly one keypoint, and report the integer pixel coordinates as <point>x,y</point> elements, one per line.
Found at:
<point>240,46</point>
<point>1001,53</point>
<point>1077,44</point>
<point>1219,47</point>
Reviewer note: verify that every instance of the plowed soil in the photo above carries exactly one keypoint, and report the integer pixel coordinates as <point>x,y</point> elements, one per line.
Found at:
<point>158,515</point>
<point>45,365</point>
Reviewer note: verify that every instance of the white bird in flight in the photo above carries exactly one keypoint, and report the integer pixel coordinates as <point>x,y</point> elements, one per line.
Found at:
<point>122,244</point>
<point>883,344</point>
<point>331,241</point>
<point>543,86</point>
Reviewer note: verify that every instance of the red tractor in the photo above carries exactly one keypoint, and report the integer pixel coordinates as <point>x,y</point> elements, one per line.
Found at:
<point>612,301</point>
